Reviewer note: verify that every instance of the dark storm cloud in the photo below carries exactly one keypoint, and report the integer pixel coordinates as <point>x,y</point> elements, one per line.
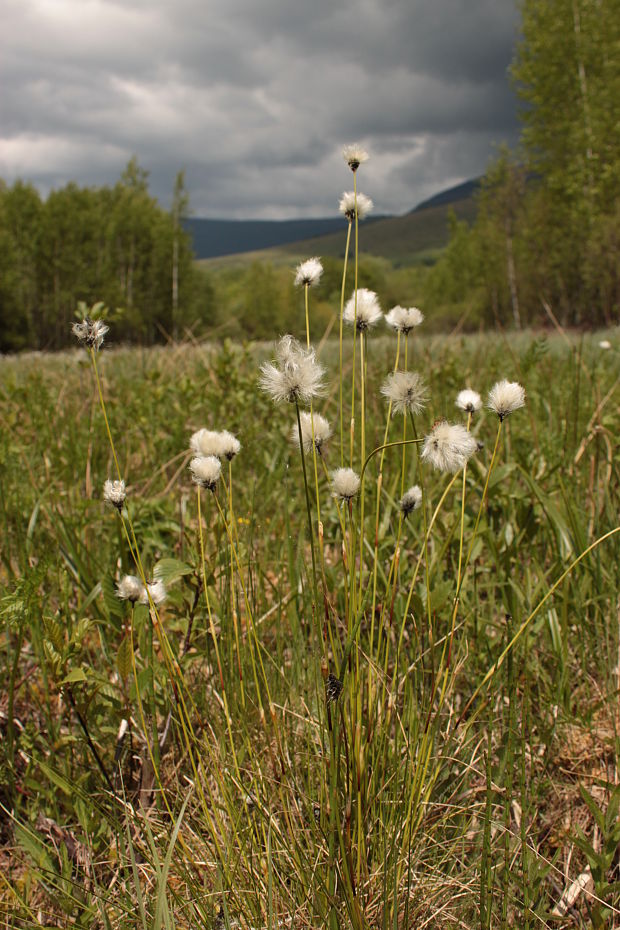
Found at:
<point>255,99</point>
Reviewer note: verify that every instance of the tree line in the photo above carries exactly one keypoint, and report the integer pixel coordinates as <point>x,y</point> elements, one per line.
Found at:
<point>546,241</point>
<point>110,244</point>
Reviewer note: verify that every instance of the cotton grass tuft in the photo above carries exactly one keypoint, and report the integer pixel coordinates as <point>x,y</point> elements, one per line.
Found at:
<point>296,375</point>
<point>114,493</point>
<point>345,484</point>
<point>505,397</point>
<point>468,400</point>
<point>205,470</point>
<point>449,446</point>
<point>322,431</point>
<point>308,273</point>
<point>365,313</point>
<point>404,319</point>
<point>347,205</point>
<point>354,155</point>
<point>406,391</point>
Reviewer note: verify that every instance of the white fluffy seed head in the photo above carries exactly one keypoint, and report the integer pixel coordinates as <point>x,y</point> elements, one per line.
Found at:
<point>206,470</point>
<point>345,483</point>
<point>354,155</point>
<point>229,445</point>
<point>205,442</point>
<point>404,319</point>
<point>468,400</point>
<point>155,592</point>
<point>365,313</point>
<point>129,588</point>
<point>604,344</point>
<point>220,443</point>
<point>322,431</point>
<point>406,391</point>
<point>296,374</point>
<point>506,397</point>
<point>410,500</point>
<point>448,446</point>
<point>347,205</point>
<point>90,332</point>
<point>309,272</point>
<point>114,493</point>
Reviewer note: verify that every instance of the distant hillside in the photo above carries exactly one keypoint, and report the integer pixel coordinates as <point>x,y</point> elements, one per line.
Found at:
<point>401,238</point>
<point>461,192</point>
<point>412,238</point>
<point>214,238</point>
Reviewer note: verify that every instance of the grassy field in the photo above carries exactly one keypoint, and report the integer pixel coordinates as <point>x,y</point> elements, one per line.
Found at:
<point>352,719</point>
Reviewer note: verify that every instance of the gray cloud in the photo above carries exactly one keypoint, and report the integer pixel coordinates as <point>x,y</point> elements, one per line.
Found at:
<point>255,99</point>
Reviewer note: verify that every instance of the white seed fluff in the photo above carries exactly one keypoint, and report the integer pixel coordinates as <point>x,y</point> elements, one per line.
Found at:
<point>213,442</point>
<point>309,272</point>
<point>229,445</point>
<point>322,431</point>
<point>604,344</point>
<point>367,312</point>
<point>404,319</point>
<point>354,155</point>
<point>345,483</point>
<point>114,493</point>
<point>505,397</point>
<point>206,470</point>
<point>296,375</point>
<point>205,442</point>
<point>347,205</point>
<point>468,400</point>
<point>90,332</point>
<point>156,591</point>
<point>448,446</point>
<point>410,500</point>
<point>130,588</point>
<point>406,391</point>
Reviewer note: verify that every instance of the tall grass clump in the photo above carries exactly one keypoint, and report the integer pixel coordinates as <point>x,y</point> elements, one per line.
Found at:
<point>323,635</point>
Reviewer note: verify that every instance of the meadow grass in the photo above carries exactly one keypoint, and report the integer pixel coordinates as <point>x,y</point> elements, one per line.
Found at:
<point>378,722</point>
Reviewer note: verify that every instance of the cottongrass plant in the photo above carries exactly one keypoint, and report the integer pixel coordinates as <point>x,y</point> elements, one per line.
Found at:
<point>326,752</point>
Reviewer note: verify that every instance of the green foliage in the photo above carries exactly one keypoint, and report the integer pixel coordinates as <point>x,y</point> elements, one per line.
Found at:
<point>115,244</point>
<point>253,837</point>
<point>546,240</point>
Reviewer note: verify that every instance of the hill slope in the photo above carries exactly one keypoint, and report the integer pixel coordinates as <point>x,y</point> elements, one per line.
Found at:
<point>403,239</point>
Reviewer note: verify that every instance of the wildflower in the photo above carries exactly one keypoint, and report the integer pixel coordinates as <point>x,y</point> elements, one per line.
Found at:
<point>90,332</point>
<point>410,500</point>
<point>470,401</point>
<point>229,445</point>
<point>345,484</point>
<point>367,312</point>
<point>347,205</point>
<point>114,493</point>
<point>309,272</point>
<point>312,422</point>
<point>333,688</point>
<point>448,446</point>
<point>354,155</point>
<point>206,470</point>
<point>404,319</point>
<point>406,390</point>
<point>505,397</point>
<point>604,344</point>
<point>154,592</point>
<point>297,376</point>
<point>129,588</point>
<point>205,442</point>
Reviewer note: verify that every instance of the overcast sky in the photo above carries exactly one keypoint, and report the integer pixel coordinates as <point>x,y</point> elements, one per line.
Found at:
<point>255,98</point>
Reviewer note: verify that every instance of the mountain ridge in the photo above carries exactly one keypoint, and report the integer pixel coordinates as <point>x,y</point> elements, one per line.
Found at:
<point>217,238</point>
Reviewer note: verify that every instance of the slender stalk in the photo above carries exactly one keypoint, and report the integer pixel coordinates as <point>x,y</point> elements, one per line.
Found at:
<point>342,293</point>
